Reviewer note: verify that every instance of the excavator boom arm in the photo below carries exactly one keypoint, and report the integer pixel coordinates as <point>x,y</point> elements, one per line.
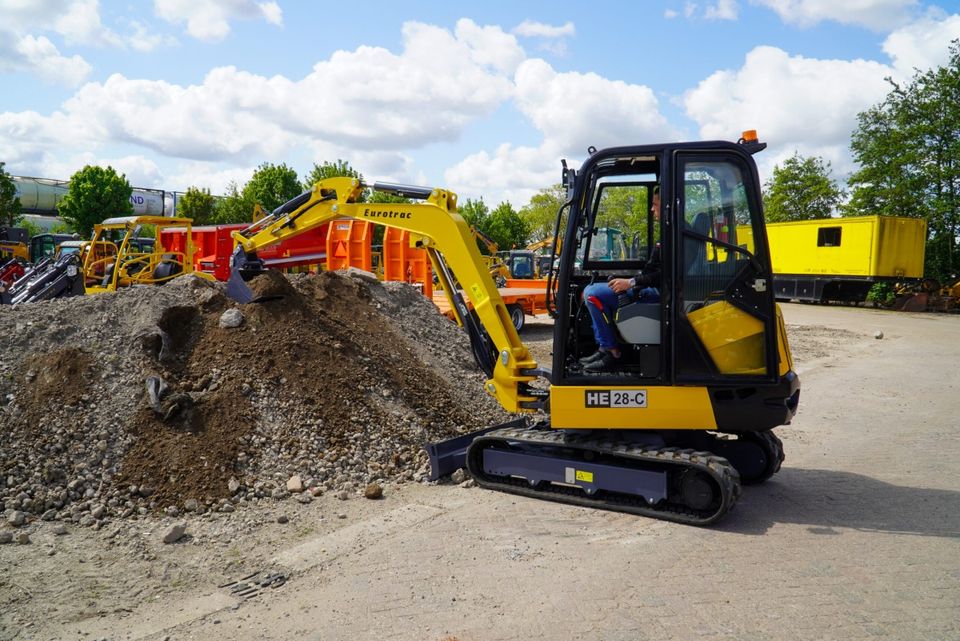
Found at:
<point>435,226</point>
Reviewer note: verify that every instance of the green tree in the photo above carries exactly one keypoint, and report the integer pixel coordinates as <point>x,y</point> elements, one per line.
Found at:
<point>197,204</point>
<point>540,213</point>
<point>328,169</point>
<point>94,195</point>
<point>908,149</point>
<point>384,198</point>
<point>506,227</point>
<point>801,189</point>
<point>271,186</point>
<point>11,212</point>
<point>474,212</point>
<point>234,207</point>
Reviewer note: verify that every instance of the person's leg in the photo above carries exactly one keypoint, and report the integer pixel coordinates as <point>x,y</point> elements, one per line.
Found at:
<point>602,305</point>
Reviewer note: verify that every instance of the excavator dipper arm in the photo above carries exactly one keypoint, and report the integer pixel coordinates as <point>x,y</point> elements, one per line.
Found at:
<point>436,227</point>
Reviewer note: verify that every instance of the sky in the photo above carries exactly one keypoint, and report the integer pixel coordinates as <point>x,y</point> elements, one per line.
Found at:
<point>483,98</point>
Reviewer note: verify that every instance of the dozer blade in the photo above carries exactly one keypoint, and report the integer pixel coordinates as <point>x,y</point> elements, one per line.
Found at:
<point>446,457</point>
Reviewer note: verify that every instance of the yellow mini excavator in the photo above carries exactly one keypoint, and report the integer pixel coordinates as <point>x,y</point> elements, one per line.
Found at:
<point>705,374</point>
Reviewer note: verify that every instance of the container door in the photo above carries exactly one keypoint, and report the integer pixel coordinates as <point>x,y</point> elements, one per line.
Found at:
<point>725,310</point>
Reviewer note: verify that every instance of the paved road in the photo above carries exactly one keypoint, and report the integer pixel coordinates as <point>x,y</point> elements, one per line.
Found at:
<point>857,538</point>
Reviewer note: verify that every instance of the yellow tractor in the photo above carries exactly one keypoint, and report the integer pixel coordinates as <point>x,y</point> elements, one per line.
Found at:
<point>130,251</point>
<point>705,374</point>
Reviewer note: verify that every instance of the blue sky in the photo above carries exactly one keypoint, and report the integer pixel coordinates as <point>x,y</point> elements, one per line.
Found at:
<point>483,98</point>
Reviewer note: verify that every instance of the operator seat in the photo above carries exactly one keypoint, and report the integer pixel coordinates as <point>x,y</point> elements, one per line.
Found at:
<point>639,323</point>
<point>167,268</point>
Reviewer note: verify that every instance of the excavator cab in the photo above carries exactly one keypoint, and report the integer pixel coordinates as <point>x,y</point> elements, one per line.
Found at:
<point>716,324</point>
<point>705,374</point>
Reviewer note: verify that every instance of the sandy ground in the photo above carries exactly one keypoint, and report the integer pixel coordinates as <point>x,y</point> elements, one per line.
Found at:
<point>858,537</point>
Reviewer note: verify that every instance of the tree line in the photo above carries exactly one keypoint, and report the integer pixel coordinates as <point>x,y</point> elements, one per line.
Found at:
<point>906,147</point>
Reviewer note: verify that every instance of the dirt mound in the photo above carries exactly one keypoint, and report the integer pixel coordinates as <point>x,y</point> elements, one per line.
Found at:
<point>155,404</point>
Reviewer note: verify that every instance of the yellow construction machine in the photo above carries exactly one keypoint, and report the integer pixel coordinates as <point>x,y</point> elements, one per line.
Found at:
<point>130,251</point>
<point>705,374</point>
<point>492,261</point>
<point>14,244</point>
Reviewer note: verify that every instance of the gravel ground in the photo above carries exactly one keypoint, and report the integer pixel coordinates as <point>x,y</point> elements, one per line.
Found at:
<point>143,402</point>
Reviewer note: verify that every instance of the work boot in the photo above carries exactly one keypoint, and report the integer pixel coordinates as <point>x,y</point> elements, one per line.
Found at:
<point>607,363</point>
<point>596,356</point>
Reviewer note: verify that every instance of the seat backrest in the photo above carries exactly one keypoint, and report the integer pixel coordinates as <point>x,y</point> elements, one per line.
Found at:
<point>694,249</point>
<point>167,267</point>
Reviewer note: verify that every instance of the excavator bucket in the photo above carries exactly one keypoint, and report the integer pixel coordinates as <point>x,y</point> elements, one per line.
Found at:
<point>244,267</point>
<point>237,288</point>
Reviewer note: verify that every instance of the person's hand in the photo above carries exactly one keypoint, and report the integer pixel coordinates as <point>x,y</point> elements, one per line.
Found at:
<point>619,285</point>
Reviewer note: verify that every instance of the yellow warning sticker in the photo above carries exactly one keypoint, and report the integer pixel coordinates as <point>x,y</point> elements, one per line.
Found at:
<point>586,477</point>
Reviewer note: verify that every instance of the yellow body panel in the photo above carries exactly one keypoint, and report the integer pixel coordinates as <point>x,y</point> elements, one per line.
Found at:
<point>783,346</point>
<point>886,246</point>
<point>677,408</point>
<point>10,249</point>
<point>733,338</point>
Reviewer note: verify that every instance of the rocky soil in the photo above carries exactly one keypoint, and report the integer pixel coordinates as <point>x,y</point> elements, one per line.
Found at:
<point>175,399</point>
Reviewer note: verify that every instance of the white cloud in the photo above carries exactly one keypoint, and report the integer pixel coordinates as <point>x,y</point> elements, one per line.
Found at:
<point>77,22</point>
<point>531,29</point>
<point>210,19</point>
<point>490,46</point>
<point>384,104</point>
<point>511,174</point>
<point>19,15</point>
<point>80,24</point>
<point>272,13</point>
<point>573,111</point>
<point>142,38</point>
<point>670,13</point>
<point>793,102</point>
<point>36,54</point>
<point>722,10</point>
<point>206,175</point>
<point>139,170</point>
<point>576,110</point>
<point>879,15</point>
<point>922,44</point>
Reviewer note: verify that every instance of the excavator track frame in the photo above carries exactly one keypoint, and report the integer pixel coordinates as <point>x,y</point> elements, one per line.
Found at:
<point>665,474</point>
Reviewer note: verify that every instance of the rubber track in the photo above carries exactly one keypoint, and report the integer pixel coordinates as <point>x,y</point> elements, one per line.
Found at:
<point>716,467</point>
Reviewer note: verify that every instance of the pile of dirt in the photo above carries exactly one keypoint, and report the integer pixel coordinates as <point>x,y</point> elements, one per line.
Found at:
<point>117,405</point>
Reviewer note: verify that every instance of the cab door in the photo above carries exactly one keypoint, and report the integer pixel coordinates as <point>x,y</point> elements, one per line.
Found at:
<point>725,314</point>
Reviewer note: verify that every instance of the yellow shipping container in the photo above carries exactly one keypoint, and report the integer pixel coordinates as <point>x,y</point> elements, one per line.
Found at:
<point>841,258</point>
<point>864,246</point>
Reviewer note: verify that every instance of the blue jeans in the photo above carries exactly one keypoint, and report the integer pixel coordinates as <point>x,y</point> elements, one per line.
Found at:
<point>602,303</point>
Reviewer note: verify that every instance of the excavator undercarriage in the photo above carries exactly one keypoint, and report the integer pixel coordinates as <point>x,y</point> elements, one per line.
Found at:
<point>691,478</point>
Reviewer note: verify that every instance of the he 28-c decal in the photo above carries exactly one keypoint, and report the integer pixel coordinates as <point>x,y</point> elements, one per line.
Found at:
<point>616,398</point>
